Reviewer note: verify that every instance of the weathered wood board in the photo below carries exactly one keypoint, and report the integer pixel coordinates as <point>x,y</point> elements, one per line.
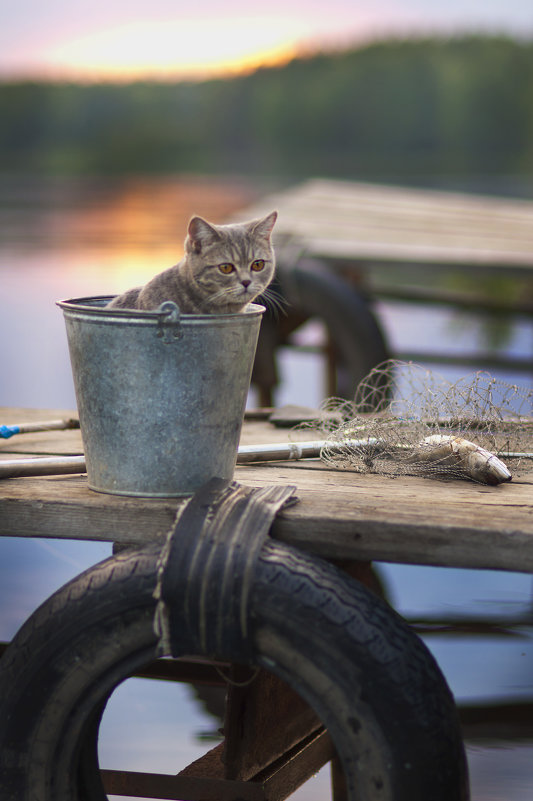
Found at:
<point>340,515</point>
<point>377,223</point>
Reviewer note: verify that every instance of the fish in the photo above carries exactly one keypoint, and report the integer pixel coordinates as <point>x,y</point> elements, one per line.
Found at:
<point>474,461</point>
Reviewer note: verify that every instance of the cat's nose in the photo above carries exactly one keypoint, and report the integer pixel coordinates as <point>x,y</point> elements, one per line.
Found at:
<point>246,283</point>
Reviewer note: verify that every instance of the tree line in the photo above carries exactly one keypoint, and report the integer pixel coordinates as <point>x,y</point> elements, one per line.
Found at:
<point>398,107</point>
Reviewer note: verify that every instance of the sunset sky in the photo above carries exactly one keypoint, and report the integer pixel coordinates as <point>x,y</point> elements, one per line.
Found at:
<point>92,39</point>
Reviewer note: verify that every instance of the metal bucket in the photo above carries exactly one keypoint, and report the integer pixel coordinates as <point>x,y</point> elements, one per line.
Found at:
<point>161,396</point>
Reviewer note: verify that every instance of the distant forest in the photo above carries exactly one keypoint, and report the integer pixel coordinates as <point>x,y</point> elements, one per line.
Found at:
<point>402,108</point>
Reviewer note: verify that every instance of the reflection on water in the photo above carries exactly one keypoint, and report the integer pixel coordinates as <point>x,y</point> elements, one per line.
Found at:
<point>71,238</point>
<point>128,214</point>
<point>65,238</point>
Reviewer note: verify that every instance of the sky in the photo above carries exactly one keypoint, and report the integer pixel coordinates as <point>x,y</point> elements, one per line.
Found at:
<point>127,39</point>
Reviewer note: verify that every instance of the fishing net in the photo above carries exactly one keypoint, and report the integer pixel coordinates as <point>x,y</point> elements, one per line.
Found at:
<point>421,424</point>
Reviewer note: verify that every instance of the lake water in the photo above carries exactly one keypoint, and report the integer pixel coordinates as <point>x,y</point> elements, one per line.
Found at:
<point>65,238</point>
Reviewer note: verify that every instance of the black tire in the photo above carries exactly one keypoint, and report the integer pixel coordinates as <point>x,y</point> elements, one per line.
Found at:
<point>311,289</point>
<point>369,678</point>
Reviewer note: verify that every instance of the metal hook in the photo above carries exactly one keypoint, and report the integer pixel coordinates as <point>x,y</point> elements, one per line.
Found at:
<point>169,322</point>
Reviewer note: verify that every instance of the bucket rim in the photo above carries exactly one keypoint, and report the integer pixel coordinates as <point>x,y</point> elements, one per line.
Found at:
<point>97,305</point>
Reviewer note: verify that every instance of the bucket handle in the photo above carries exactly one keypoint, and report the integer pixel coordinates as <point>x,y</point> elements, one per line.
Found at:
<point>169,323</point>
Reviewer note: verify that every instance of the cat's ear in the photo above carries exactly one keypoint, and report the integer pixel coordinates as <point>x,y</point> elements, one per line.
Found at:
<point>263,227</point>
<point>200,233</point>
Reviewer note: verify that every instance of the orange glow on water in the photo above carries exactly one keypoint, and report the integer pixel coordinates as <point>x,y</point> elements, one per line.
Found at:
<point>110,236</point>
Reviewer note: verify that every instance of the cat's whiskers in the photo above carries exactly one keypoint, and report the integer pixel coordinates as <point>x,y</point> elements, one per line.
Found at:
<point>274,301</point>
<point>237,290</point>
<point>223,297</point>
<point>222,293</point>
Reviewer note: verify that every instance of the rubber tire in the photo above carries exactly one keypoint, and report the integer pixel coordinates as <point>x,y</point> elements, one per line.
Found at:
<point>312,290</point>
<point>369,678</point>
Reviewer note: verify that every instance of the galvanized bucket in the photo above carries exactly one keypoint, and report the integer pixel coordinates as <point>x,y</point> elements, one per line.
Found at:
<point>161,395</point>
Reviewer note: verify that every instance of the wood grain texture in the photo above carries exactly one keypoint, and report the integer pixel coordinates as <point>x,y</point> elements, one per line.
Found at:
<point>340,514</point>
<point>354,220</point>
<point>43,443</point>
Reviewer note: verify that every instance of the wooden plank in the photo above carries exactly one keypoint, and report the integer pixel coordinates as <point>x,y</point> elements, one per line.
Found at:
<point>265,716</point>
<point>44,443</point>
<point>69,442</point>
<point>465,300</point>
<point>210,765</point>
<point>407,203</point>
<point>418,254</point>
<point>350,220</point>
<point>194,788</point>
<point>405,519</point>
<point>65,507</point>
<point>511,720</point>
<point>477,361</point>
<point>456,233</point>
<point>192,671</point>
<point>202,779</point>
<point>18,414</point>
<point>341,515</point>
<point>284,777</point>
<point>341,193</point>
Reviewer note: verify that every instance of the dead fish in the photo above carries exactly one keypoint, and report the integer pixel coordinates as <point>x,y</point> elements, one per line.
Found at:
<point>476,462</point>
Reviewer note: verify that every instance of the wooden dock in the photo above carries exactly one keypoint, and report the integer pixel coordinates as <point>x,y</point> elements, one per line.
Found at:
<point>413,246</point>
<point>392,243</point>
<point>341,514</point>
<point>347,517</point>
<point>372,224</point>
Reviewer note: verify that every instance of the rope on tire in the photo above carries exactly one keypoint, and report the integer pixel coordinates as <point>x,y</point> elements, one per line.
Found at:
<point>206,570</point>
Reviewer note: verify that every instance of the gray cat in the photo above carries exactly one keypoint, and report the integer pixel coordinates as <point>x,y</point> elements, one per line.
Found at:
<point>224,268</point>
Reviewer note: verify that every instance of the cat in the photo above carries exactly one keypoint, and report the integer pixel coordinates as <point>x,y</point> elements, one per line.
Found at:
<point>225,267</point>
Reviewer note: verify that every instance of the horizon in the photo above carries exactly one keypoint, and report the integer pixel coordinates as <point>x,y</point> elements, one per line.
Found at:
<point>167,40</point>
<point>249,66</point>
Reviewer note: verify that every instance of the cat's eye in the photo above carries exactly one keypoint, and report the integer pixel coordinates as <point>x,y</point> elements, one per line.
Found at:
<point>226,268</point>
<point>257,265</point>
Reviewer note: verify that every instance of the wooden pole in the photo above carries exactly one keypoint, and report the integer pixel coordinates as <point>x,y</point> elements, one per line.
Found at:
<point>7,431</point>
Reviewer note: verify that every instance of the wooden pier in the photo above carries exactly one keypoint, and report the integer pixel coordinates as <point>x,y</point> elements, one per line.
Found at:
<point>373,224</point>
<point>415,246</point>
<point>384,242</point>
<point>341,514</point>
<point>346,517</point>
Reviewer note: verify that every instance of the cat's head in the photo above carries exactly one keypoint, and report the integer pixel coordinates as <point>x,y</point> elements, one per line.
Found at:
<point>230,265</point>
